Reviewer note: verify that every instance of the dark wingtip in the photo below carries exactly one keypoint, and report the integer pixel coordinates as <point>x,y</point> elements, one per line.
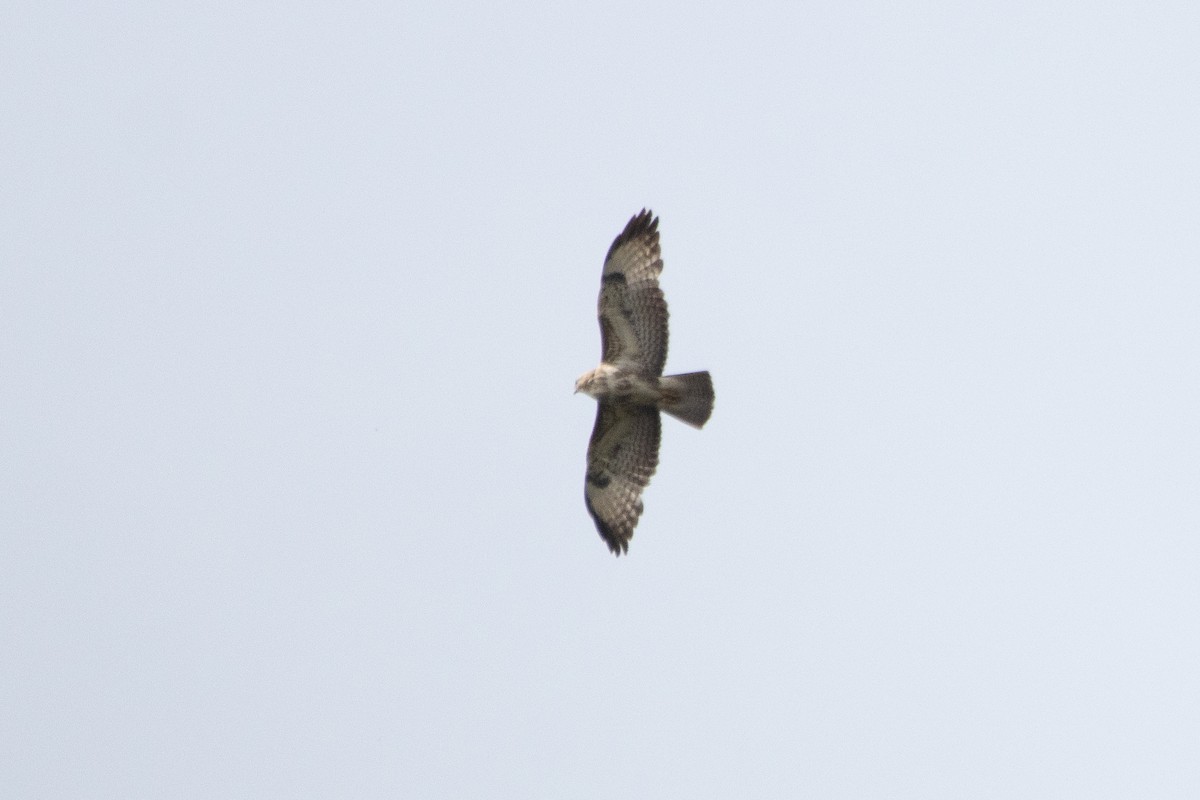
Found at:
<point>640,224</point>
<point>615,543</point>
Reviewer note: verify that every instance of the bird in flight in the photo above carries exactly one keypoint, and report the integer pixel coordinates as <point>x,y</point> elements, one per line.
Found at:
<point>629,386</point>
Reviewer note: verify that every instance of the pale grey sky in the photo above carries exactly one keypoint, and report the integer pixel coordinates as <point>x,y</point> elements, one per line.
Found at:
<point>293,298</point>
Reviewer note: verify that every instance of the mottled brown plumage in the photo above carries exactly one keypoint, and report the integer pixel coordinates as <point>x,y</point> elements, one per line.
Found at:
<point>629,385</point>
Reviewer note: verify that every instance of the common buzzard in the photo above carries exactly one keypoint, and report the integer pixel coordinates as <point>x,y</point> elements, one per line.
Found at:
<point>629,385</point>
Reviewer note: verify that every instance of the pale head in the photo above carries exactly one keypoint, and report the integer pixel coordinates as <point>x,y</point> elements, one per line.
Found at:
<point>584,382</point>
<point>595,382</point>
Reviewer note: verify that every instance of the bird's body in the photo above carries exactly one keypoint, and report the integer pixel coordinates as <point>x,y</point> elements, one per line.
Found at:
<point>629,386</point>
<point>611,383</point>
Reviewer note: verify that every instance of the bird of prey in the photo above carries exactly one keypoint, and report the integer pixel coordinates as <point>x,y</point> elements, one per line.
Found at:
<point>629,386</point>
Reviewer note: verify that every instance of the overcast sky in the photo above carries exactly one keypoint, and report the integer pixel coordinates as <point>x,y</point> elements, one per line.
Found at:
<point>292,302</point>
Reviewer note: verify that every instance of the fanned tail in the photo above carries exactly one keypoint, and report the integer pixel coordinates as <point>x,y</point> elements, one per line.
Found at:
<point>688,397</point>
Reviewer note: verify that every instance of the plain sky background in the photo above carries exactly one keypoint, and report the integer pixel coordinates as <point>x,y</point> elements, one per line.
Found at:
<point>292,301</point>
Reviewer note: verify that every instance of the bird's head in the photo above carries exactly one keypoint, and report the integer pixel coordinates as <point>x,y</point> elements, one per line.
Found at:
<point>594,383</point>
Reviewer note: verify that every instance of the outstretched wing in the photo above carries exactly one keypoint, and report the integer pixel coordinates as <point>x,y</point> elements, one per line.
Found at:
<point>622,456</point>
<point>632,311</point>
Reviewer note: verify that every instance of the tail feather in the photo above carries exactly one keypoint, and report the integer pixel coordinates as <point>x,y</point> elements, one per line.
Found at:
<point>688,397</point>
